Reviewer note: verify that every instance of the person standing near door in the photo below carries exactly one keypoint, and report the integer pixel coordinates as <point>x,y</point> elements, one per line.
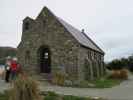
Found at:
<point>8,68</point>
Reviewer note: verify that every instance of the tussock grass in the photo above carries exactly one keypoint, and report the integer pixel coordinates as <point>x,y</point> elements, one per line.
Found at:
<point>24,88</point>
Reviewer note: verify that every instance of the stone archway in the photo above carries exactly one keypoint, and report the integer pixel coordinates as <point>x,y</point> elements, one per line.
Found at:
<point>44,59</point>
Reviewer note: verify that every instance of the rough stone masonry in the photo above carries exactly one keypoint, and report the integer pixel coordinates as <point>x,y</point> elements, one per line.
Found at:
<point>49,44</point>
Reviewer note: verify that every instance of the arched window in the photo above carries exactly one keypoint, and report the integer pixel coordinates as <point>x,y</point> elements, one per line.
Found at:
<point>94,69</point>
<point>26,26</point>
<point>89,54</point>
<point>27,56</point>
<point>87,70</point>
<point>44,23</point>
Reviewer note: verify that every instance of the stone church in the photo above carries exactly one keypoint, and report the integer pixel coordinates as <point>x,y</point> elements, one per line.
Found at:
<point>49,44</point>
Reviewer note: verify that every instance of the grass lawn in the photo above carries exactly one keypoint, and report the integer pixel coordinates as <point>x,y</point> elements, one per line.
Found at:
<point>54,96</point>
<point>99,83</point>
<point>3,97</point>
<point>106,83</point>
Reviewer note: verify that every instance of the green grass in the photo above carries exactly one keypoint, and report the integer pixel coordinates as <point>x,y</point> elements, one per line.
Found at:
<point>54,96</point>
<point>3,97</point>
<point>51,96</point>
<point>70,97</point>
<point>99,83</point>
<point>106,83</point>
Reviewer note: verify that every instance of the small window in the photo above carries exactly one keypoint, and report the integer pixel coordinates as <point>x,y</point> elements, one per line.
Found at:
<point>92,55</point>
<point>27,56</point>
<point>89,54</point>
<point>99,57</point>
<point>26,26</point>
<point>44,23</point>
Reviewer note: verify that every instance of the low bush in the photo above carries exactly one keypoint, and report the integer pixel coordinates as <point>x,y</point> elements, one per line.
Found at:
<point>119,74</point>
<point>24,88</point>
<point>124,74</point>
<point>83,84</point>
<point>115,74</point>
<point>58,78</point>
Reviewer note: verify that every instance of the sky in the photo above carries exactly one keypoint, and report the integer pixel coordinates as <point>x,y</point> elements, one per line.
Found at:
<point>108,22</point>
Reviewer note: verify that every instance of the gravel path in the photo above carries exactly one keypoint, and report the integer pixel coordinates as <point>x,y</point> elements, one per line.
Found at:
<point>3,85</point>
<point>122,92</point>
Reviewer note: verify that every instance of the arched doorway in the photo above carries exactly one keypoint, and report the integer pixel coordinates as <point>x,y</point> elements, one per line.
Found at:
<point>44,59</point>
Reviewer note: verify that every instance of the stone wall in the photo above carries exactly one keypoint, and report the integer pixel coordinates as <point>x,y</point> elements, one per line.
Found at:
<point>47,31</point>
<point>91,64</point>
<point>67,55</point>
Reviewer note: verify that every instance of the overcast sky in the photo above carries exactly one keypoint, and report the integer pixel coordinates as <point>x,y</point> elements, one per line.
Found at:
<point>108,22</point>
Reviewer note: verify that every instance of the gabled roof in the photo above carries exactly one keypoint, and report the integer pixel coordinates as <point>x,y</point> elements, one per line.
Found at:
<point>81,37</point>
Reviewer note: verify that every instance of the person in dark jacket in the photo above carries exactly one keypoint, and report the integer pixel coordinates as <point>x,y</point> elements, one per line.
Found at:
<point>8,68</point>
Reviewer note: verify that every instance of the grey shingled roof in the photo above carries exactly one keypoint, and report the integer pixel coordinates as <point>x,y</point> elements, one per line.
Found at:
<point>81,37</point>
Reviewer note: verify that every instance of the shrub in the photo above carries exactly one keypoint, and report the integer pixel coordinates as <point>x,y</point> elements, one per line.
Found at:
<point>58,78</point>
<point>119,74</point>
<point>124,74</point>
<point>115,74</point>
<point>24,88</point>
<point>83,84</point>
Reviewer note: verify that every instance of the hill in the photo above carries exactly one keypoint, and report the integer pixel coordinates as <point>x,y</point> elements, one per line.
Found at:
<point>6,51</point>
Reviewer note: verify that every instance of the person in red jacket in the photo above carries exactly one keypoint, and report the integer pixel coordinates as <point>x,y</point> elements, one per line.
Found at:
<point>14,68</point>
